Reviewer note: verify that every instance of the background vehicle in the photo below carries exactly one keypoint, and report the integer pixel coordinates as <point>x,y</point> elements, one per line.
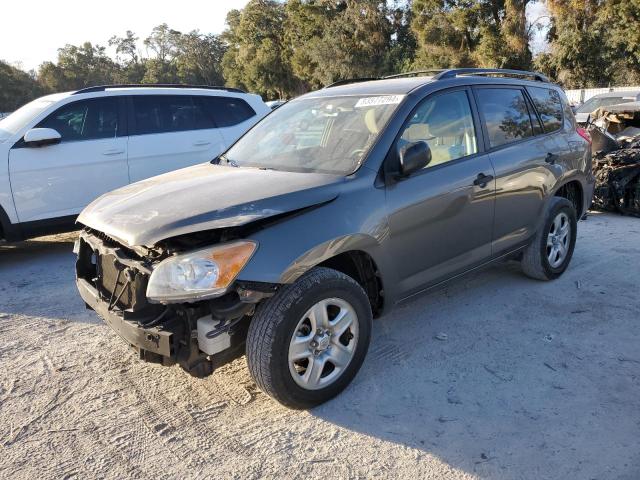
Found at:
<point>273,104</point>
<point>604,100</point>
<point>60,152</point>
<point>335,208</point>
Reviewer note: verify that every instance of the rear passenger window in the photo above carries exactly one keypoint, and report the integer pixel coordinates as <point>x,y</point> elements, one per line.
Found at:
<point>445,123</point>
<point>505,114</point>
<point>227,111</point>
<point>163,113</point>
<point>549,107</point>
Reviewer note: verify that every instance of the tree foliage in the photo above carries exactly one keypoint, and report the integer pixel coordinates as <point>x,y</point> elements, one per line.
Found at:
<point>471,33</point>
<point>282,48</point>
<point>593,42</point>
<point>16,87</point>
<point>77,67</point>
<point>255,58</point>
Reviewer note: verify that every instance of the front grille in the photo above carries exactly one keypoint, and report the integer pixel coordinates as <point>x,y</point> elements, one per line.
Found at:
<point>122,286</point>
<point>120,279</point>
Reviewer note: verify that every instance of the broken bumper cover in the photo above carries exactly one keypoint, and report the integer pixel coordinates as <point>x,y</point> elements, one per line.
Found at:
<point>155,340</point>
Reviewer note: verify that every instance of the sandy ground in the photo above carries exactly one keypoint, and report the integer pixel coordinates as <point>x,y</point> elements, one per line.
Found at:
<point>534,380</point>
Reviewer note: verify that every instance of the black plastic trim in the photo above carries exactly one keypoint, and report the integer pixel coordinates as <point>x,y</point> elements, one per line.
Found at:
<point>102,88</point>
<point>454,72</point>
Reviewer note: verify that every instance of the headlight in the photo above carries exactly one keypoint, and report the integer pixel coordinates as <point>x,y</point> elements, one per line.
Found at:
<point>200,274</point>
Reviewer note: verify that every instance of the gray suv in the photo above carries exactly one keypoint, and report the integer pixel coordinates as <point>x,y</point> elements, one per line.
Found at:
<point>332,210</point>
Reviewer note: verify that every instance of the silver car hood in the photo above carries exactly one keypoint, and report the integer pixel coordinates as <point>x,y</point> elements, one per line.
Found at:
<point>203,197</point>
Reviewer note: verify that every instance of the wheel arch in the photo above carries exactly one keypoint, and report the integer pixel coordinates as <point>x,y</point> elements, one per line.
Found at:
<point>573,190</point>
<point>361,266</point>
<point>353,255</point>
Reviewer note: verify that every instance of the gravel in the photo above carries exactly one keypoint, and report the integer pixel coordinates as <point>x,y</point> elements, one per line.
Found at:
<point>531,380</point>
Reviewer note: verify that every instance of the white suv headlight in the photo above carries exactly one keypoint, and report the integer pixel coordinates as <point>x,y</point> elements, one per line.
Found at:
<point>200,274</point>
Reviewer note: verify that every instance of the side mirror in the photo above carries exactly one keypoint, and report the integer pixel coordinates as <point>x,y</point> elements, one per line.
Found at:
<point>39,137</point>
<point>413,157</point>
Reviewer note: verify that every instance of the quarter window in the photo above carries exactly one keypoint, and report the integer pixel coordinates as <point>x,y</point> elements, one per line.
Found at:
<point>506,115</point>
<point>549,107</point>
<point>227,111</point>
<point>85,120</point>
<point>445,123</point>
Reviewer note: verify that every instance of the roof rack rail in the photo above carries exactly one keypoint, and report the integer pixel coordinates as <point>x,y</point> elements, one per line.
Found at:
<point>102,88</point>
<point>454,72</point>
<point>351,80</point>
<point>414,73</point>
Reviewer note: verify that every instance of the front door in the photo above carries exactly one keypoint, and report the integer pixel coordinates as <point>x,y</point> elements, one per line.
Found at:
<point>441,217</point>
<point>91,159</point>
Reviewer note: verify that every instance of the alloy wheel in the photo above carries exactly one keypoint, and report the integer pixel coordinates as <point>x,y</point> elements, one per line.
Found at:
<point>323,344</point>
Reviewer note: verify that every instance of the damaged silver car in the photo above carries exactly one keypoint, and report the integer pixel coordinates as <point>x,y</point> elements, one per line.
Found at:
<point>335,208</point>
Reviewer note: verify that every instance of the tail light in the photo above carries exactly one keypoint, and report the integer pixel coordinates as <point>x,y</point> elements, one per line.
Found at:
<point>584,134</point>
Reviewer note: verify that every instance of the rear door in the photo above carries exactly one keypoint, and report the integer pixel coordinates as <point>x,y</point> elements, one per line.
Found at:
<point>169,132</point>
<point>524,159</point>
<point>440,218</point>
<point>551,112</point>
<point>91,159</point>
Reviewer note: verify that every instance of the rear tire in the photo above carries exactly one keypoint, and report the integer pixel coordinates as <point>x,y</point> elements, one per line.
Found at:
<point>550,252</point>
<point>290,333</point>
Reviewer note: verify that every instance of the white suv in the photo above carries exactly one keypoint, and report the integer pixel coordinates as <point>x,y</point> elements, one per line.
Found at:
<point>60,152</point>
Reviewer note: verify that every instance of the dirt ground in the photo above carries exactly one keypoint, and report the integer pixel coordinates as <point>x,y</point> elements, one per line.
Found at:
<point>531,380</point>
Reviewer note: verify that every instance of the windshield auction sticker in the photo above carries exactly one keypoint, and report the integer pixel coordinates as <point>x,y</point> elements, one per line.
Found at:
<point>381,100</point>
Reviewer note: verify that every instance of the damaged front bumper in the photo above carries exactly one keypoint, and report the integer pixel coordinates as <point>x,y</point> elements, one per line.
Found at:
<point>201,336</point>
<point>156,340</point>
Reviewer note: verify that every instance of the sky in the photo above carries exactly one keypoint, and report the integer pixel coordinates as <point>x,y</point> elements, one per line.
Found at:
<point>32,32</point>
<point>30,35</point>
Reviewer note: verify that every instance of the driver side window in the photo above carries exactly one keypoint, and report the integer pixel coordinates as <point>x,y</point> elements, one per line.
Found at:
<point>85,120</point>
<point>445,123</point>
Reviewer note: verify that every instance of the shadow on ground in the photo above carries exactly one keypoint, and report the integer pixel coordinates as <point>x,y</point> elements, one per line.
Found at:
<point>496,376</point>
<point>503,376</point>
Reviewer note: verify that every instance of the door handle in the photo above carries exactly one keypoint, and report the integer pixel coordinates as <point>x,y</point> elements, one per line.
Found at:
<point>551,158</point>
<point>482,180</point>
<point>201,143</point>
<point>112,152</point>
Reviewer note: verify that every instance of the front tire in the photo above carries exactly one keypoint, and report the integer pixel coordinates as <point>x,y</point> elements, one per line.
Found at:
<point>307,342</point>
<point>549,254</point>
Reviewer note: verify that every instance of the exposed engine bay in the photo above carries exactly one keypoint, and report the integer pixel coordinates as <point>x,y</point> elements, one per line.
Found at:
<point>199,336</point>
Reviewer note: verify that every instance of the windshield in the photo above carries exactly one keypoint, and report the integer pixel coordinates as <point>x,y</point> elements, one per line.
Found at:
<point>20,118</point>
<point>324,135</point>
<point>595,103</point>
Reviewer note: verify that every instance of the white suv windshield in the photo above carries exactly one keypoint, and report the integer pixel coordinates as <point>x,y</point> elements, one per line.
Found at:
<point>324,135</point>
<point>20,118</point>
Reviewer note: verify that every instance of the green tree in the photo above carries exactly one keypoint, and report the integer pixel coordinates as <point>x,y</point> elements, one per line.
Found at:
<point>132,69</point>
<point>304,25</point>
<point>255,58</point>
<point>199,59</point>
<point>354,44</point>
<point>78,67</point>
<point>331,40</point>
<point>16,87</point>
<point>593,42</point>
<point>403,45</point>
<point>471,33</point>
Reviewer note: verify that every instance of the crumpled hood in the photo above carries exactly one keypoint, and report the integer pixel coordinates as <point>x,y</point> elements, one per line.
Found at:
<point>203,197</point>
